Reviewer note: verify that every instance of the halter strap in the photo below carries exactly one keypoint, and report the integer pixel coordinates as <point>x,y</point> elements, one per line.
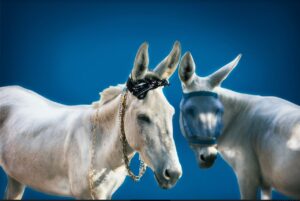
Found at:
<point>200,93</point>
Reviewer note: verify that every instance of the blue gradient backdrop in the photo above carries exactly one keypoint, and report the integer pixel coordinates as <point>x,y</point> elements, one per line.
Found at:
<point>68,51</point>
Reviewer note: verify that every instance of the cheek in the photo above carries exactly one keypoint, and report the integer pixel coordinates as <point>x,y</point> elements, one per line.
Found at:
<point>144,137</point>
<point>133,134</point>
<point>149,151</point>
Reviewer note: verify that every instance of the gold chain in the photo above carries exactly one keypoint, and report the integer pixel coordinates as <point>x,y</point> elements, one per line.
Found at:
<point>92,171</point>
<point>124,142</point>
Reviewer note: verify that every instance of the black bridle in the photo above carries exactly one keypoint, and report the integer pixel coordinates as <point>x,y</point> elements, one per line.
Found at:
<point>139,88</point>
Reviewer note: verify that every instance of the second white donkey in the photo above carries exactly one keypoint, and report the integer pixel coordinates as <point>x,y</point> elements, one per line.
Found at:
<point>260,138</point>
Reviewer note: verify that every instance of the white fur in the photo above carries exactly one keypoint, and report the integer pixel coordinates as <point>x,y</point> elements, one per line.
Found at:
<point>45,145</point>
<point>264,134</point>
<point>260,139</point>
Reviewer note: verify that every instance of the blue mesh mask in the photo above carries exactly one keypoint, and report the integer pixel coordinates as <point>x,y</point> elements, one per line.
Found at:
<point>192,105</point>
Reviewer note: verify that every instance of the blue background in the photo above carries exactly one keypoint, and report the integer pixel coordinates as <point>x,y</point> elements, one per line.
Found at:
<point>69,51</point>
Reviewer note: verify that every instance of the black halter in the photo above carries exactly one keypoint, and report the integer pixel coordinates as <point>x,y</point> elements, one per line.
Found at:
<point>191,137</point>
<point>140,88</point>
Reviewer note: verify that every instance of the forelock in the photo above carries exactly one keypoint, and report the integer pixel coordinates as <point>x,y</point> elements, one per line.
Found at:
<point>156,97</point>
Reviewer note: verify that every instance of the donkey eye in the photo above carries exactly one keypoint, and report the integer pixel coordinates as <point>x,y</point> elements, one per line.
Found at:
<point>144,118</point>
<point>190,111</point>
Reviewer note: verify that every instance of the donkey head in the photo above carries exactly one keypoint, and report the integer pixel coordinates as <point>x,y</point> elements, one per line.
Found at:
<point>201,110</point>
<point>148,120</point>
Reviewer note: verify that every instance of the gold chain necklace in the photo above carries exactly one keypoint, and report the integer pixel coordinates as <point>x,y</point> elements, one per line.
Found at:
<point>92,171</point>
<point>124,142</point>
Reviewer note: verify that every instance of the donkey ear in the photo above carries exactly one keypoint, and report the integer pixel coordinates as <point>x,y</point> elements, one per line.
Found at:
<point>168,66</point>
<point>217,77</point>
<point>187,67</point>
<point>141,62</point>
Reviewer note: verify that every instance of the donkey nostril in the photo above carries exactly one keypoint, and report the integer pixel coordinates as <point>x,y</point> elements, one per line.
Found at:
<point>202,157</point>
<point>167,174</point>
<point>172,174</point>
<point>208,159</point>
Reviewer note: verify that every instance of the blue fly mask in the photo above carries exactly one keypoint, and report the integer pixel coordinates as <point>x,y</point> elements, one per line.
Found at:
<point>198,104</point>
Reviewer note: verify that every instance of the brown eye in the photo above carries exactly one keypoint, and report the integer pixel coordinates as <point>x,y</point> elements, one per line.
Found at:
<point>144,118</point>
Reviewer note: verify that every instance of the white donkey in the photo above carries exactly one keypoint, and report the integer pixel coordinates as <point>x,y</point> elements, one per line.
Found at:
<point>260,138</point>
<point>51,147</point>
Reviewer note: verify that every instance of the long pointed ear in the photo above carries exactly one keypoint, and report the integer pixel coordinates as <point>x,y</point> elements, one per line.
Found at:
<point>187,68</point>
<point>217,77</point>
<point>141,62</point>
<point>168,66</point>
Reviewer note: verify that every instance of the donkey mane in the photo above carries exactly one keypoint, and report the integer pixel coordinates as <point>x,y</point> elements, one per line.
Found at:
<point>108,94</point>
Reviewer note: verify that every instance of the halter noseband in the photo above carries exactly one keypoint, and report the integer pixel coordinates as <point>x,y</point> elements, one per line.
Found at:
<point>195,139</point>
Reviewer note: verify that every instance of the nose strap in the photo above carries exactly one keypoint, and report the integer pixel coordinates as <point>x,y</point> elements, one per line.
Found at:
<point>199,93</point>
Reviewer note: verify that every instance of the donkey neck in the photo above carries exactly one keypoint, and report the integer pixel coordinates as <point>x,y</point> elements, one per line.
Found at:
<point>236,106</point>
<point>108,144</point>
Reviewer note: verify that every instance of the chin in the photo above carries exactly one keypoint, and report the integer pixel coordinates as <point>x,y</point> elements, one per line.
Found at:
<point>163,183</point>
<point>205,165</point>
